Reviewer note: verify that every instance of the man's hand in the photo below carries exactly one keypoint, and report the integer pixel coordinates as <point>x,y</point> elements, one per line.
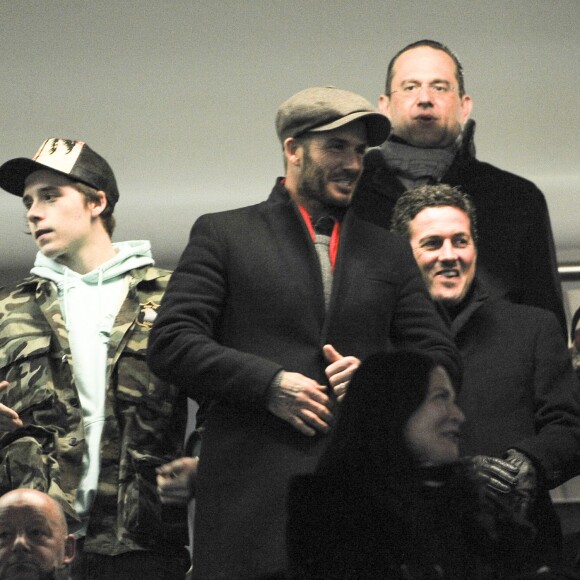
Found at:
<point>9,419</point>
<point>340,370</point>
<point>301,402</point>
<point>176,480</point>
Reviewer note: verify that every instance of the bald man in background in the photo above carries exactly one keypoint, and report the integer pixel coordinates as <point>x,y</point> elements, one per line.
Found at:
<point>34,539</point>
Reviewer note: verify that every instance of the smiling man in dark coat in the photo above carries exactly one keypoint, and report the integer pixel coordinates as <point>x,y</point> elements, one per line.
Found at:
<point>255,317</point>
<point>520,394</point>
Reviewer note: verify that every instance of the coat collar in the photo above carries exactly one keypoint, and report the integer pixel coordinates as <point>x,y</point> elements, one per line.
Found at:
<point>476,299</point>
<point>294,237</point>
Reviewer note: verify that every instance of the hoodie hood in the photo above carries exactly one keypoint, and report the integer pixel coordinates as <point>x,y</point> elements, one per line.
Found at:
<point>130,255</point>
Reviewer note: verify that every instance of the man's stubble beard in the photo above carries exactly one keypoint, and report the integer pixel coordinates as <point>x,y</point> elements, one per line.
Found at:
<point>312,186</point>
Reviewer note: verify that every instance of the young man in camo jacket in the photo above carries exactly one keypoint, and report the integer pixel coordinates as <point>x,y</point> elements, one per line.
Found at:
<point>84,418</point>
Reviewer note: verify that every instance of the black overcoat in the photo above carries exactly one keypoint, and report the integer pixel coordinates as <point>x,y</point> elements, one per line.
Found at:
<point>519,391</point>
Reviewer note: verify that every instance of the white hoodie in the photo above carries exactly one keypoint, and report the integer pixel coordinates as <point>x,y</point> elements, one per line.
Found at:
<point>89,304</point>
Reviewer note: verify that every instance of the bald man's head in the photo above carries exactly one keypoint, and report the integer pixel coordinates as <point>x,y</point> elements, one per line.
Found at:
<point>34,540</point>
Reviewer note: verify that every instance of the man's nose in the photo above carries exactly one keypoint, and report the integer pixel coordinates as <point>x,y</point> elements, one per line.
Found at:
<point>33,213</point>
<point>21,543</point>
<point>447,252</point>
<point>354,161</point>
<point>424,96</point>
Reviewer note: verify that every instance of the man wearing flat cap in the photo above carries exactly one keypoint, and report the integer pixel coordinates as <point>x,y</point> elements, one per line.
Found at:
<point>256,319</point>
<point>82,417</point>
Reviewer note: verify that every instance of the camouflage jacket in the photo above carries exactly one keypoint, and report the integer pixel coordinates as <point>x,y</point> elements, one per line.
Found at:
<point>145,417</point>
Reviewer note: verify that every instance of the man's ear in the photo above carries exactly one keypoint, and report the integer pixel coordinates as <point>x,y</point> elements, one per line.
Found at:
<point>385,105</point>
<point>98,206</point>
<point>70,548</point>
<point>292,151</point>
<point>466,106</point>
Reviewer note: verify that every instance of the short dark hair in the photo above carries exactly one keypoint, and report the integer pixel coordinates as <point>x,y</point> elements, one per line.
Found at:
<point>432,44</point>
<point>415,200</point>
<point>106,216</point>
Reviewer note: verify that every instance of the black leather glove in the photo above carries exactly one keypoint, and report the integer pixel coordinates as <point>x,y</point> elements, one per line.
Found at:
<point>498,475</point>
<point>509,483</point>
<point>526,481</point>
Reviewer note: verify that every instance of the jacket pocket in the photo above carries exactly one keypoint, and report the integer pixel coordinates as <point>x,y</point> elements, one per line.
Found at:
<point>144,516</point>
<point>25,362</point>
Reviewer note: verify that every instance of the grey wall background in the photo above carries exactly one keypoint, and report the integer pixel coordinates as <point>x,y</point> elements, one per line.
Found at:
<point>180,95</point>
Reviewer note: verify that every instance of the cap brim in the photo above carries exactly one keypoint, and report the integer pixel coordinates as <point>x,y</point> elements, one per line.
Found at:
<point>378,126</point>
<point>13,174</point>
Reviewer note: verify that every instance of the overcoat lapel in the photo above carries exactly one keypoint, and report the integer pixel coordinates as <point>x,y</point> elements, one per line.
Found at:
<point>295,249</point>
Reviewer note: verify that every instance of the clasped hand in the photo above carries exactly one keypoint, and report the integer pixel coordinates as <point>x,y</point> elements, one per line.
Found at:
<point>176,480</point>
<point>303,402</point>
<point>510,481</point>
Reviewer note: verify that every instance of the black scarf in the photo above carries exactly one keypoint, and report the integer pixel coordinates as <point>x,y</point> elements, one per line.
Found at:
<point>417,165</point>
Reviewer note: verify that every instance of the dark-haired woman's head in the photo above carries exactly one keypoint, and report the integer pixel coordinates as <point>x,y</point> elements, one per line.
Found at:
<point>399,412</point>
<point>432,431</point>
